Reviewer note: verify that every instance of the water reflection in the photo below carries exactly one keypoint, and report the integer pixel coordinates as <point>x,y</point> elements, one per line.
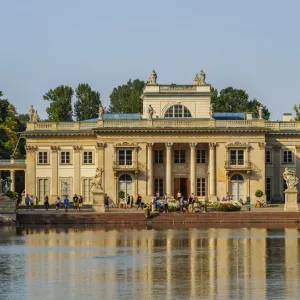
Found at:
<point>128,263</point>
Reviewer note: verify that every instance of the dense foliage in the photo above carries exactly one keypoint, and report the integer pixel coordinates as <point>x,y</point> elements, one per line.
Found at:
<point>297,111</point>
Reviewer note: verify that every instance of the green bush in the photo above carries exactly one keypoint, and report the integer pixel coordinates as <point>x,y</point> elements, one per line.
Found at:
<point>11,195</point>
<point>259,193</point>
<point>121,195</point>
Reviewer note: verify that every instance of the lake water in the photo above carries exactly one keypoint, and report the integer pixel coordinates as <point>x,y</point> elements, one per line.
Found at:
<point>147,263</point>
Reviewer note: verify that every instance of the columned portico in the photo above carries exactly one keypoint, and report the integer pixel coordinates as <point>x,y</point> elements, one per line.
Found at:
<point>169,169</point>
<point>212,171</point>
<point>193,167</point>
<point>150,188</point>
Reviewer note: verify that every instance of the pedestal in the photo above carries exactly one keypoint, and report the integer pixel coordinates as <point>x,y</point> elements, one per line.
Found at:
<point>291,200</point>
<point>98,201</point>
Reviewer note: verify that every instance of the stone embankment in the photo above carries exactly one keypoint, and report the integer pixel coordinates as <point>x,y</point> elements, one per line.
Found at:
<point>7,210</point>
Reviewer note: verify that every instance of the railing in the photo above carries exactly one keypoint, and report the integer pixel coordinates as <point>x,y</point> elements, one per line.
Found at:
<point>177,88</point>
<point>12,162</point>
<point>162,123</point>
<point>237,164</point>
<point>125,165</point>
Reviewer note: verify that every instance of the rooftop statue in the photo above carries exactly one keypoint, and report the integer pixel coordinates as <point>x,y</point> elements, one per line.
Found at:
<point>150,111</point>
<point>202,78</point>
<point>211,112</point>
<point>152,78</point>
<point>260,111</point>
<point>290,178</point>
<point>31,113</point>
<point>196,80</point>
<point>35,117</point>
<point>101,112</point>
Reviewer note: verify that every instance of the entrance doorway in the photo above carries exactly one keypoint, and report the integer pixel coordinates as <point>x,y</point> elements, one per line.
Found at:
<point>125,184</point>
<point>237,187</point>
<point>182,185</point>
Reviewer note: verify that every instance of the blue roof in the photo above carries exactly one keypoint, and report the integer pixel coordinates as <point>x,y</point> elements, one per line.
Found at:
<point>229,116</point>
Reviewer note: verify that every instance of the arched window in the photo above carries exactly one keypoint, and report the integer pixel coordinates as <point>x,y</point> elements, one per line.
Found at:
<point>178,111</point>
<point>125,177</point>
<point>237,177</point>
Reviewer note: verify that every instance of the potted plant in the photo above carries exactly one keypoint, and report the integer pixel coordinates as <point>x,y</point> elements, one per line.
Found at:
<point>258,194</point>
<point>121,198</point>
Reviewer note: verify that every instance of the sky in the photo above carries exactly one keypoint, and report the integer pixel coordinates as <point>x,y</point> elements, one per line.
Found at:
<point>250,45</point>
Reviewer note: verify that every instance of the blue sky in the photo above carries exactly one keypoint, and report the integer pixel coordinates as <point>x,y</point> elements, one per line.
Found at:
<point>253,45</point>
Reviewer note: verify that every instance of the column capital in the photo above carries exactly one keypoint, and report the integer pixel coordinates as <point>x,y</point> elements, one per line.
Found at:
<point>31,148</point>
<point>193,145</point>
<point>262,145</point>
<point>169,145</point>
<point>150,145</point>
<point>212,145</point>
<point>77,148</point>
<point>54,148</point>
<point>12,171</point>
<point>100,146</point>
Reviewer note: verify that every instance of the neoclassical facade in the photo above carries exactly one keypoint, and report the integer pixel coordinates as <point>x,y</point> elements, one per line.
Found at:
<point>176,144</point>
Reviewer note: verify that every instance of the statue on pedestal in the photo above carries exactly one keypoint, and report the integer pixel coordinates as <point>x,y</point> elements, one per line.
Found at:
<point>97,180</point>
<point>35,117</point>
<point>152,78</point>
<point>211,112</point>
<point>31,113</point>
<point>196,80</point>
<point>150,111</point>
<point>202,78</point>
<point>290,178</point>
<point>101,112</point>
<point>260,111</point>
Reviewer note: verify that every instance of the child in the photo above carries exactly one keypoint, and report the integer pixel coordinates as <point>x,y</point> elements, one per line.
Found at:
<point>57,203</point>
<point>66,203</point>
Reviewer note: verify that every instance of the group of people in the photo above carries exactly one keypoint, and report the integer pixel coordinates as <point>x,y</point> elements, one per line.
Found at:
<point>229,197</point>
<point>29,202</point>
<point>130,201</point>
<point>77,201</point>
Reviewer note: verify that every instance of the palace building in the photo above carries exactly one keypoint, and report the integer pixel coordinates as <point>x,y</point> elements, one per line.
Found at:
<point>177,144</point>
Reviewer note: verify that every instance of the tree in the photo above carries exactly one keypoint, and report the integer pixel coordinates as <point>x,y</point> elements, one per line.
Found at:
<point>236,100</point>
<point>60,108</point>
<point>87,104</point>
<point>297,111</point>
<point>127,98</point>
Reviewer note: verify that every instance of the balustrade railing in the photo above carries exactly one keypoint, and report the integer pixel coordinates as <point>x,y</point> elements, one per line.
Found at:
<point>125,165</point>
<point>237,164</point>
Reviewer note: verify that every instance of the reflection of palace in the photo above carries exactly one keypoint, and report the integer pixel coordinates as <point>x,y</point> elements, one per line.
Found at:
<point>239,262</point>
<point>178,143</point>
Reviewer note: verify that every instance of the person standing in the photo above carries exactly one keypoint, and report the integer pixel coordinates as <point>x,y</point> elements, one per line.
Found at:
<point>191,203</point>
<point>128,201</point>
<point>75,201</point>
<point>131,201</point>
<point>66,203</point>
<point>57,203</point>
<point>106,202</point>
<point>181,202</point>
<point>165,203</point>
<point>179,195</point>
<point>46,203</point>
<point>80,202</point>
<point>31,201</point>
<point>27,200</point>
<point>139,201</point>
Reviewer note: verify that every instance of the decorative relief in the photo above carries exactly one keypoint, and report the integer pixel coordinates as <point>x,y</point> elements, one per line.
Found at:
<point>237,145</point>
<point>262,145</point>
<point>193,145</point>
<point>31,148</point>
<point>276,148</point>
<point>181,168</point>
<point>54,148</point>
<point>77,148</point>
<point>100,145</point>
<point>126,144</point>
<point>297,147</point>
<point>169,145</point>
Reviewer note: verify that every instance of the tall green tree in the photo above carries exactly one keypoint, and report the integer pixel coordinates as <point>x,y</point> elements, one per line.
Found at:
<point>87,103</point>
<point>236,100</point>
<point>297,111</point>
<point>60,108</point>
<point>127,97</point>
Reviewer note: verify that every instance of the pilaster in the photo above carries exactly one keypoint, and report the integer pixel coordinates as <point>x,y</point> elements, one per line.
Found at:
<point>212,171</point>
<point>31,169</point>
<point>150,188</point>
<point>13,181</point>
<point>169,169</point>
<point>277,176</point>
<point>77,167</point>
<point>193,167</point>
<point>54,180</point>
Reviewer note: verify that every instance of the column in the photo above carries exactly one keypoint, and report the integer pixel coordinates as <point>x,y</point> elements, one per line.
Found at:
<point>136,177</point>
<point>227,182</point>
<point>150,188</point>
<point>77,168</point>
<point>116,187</point>
<point>277,175</point>
<point>169,169</point>
<point>13,181</point>
<point>212,171</point>
<point>31,170</point>
<point>247,186</point>
<point>101,159</point>
<point>54,177</point>
<point>25,182</point>
<point>193,167</point>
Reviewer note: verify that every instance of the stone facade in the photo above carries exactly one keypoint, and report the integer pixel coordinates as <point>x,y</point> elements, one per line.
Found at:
<point>177,144</point>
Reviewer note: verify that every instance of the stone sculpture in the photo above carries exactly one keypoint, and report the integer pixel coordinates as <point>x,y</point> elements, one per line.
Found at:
<point>101,112</point>
<point>196,80</point>
<point>35,117</point>
<point>211,112</point>
<point>31,113</point>
<point>150,111</point>
<point>290,178</point>
<point>152,78</point>
<point>97,180</point>
<point>202,78</point>
<point>260,111</point>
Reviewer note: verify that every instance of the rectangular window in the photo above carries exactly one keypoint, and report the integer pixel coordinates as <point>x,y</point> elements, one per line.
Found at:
<point>268,189</point>
<point>287,156</point>
<point>201,187</point>
<point>125,157</point>
<point>65,157</point>
<point>236,157</point>
<point>158,156</point>
<point>88,157</point>
<point>179,156</point>
<point>43,158</point>
<point>201,156</point>
<point>86,190</point>
<point>159,186</point>
<point>268,157</point>
<point>43,189</point>
<point>65,186</point>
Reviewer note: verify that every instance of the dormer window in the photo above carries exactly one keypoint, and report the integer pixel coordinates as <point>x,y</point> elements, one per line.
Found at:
<point>178,111</point>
